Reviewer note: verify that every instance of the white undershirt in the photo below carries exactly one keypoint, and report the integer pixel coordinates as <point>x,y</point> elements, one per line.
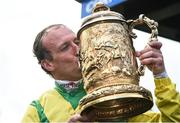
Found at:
<point>68,85</point>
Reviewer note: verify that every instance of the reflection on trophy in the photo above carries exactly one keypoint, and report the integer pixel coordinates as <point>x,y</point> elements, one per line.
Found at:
<point>109,67</point>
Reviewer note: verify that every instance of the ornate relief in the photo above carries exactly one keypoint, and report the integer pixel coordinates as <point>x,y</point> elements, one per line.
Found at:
<point>109,67</point>
<point>106,51</point>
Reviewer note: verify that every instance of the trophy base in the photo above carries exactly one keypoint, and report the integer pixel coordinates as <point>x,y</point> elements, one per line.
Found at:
<point>117,102</point>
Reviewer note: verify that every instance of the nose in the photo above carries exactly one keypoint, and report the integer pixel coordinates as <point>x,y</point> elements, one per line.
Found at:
<point>75,48</point>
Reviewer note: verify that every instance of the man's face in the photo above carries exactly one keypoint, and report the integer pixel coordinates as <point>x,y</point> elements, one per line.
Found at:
<point>62,44</point>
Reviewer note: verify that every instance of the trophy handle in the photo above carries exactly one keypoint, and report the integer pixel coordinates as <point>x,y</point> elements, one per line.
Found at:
<point>154,32</point>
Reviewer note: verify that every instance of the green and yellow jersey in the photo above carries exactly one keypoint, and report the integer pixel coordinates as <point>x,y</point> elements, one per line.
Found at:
<point>57,106</point>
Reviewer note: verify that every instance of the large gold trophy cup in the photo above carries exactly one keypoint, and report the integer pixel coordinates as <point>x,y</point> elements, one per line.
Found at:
<point>109,67</point>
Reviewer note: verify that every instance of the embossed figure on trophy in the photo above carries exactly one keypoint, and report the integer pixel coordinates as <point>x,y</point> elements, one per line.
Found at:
<point>109,66</point>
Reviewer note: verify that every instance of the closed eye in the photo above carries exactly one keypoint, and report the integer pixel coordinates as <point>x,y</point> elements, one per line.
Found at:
<point>64,47</point>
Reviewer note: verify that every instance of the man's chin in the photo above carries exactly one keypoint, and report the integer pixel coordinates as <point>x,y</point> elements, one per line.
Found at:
<point>78,78</point>
<point>78,73</point>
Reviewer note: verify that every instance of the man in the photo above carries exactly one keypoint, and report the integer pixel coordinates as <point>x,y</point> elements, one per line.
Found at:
<point>56,49</point>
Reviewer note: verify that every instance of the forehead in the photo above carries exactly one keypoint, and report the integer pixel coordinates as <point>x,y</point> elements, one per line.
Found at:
<point>56,34</point>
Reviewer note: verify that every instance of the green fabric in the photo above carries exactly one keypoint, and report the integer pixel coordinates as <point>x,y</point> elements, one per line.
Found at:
<point>58,109</point>
<point>74,96</point>
<point>40,110</point>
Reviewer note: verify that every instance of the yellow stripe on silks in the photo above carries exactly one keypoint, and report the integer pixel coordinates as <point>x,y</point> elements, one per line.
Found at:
<point>56,108</point>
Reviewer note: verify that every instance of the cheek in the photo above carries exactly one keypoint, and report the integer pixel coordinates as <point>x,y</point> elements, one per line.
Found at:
<point>67,59</point>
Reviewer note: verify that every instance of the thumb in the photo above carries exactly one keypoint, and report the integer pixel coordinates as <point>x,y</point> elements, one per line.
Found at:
<point>137,53</point>
<point>155,44</point>
<point>74,118</point>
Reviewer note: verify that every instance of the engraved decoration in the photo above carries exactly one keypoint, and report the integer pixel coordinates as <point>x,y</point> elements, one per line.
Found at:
<point>107,55</point>
<point>109,67</point>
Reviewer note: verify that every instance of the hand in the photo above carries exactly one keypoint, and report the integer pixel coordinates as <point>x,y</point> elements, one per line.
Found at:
<point>77,118</point>
<point>152,57</point>
<point>88,117</point>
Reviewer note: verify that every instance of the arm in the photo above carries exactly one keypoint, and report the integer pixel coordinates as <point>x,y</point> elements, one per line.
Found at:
<point>168,99</point>
<point>31,115</point>
<point>35,113</point>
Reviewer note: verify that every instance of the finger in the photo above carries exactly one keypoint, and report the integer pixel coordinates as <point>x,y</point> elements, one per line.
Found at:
<point>149,49</point>
<point>152,61</point>
<point>155,44</point>
<point>150,46</point>
<point>151,54</point>
<point>137,53</point>
<point>75,118</point>
<point>89,115</point>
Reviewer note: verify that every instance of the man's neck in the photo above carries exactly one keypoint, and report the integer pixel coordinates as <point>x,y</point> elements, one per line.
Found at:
<point>68,85</point>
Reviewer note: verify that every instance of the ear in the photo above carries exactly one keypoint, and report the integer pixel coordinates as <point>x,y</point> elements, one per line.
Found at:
<point>48,65</point>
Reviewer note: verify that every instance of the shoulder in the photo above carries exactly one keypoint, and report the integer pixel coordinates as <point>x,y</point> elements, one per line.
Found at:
<point>50,96</point>
<point>49,93</point>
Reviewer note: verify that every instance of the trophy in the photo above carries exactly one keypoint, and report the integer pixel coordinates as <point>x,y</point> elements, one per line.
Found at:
<point>109,66</point>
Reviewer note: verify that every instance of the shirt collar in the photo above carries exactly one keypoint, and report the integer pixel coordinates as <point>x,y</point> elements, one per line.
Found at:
<point>69,86</point>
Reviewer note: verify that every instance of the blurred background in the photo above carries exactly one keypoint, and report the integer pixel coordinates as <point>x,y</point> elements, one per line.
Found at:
<point>21,78</point>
